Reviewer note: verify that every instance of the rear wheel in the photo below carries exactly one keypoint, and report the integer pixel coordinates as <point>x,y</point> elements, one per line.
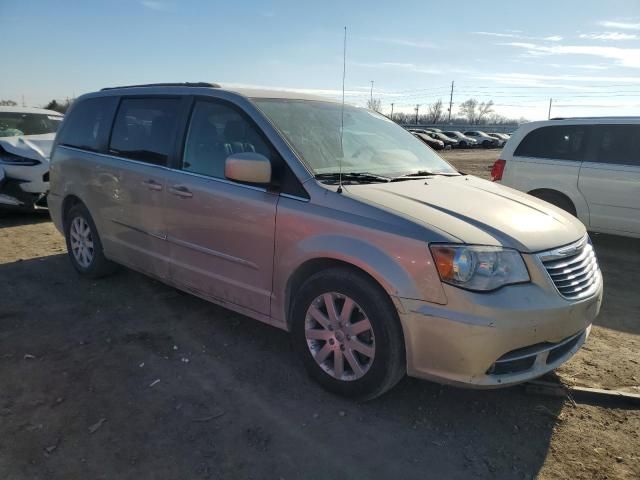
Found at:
<point>83,244</point>
<point>347,332</point>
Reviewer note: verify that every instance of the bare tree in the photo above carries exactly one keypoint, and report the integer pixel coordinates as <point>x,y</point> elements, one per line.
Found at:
<point>468,109</point>
<point>484,109</point>
<point>374,104</point>
<point>8,103</point>
<point>61,107</point>
<point>435,112</point>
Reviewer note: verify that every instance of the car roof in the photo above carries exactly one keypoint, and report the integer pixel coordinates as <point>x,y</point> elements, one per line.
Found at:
<point>16,109</point>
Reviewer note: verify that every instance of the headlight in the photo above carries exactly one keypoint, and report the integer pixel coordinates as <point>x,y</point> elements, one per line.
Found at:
<point>11,159</point>
<point>479,268</point>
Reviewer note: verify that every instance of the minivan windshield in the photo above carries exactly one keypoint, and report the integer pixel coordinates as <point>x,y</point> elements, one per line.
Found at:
<point>14,124</point>
<point>371,143</point>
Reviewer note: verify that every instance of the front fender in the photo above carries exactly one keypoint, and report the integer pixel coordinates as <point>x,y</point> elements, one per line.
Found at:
<point>373,260</point>
<point>403,267</point>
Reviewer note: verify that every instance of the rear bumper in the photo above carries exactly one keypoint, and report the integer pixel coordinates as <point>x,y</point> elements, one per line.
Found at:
<point>496,339</point>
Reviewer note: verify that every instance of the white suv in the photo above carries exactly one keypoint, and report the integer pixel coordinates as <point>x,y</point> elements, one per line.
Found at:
<point>589,167</point>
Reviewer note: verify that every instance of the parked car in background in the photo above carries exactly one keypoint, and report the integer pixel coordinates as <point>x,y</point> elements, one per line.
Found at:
<point>483,139</point>
<point>589,167</point>
<point>428,139</point>
<point>501,139</point>
<point>26,137</point>
<point>463,140</point>
<point>448,141</point>
<point>331,222</point>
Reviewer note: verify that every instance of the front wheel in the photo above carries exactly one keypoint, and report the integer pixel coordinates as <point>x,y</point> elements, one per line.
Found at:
<point>348,334</point>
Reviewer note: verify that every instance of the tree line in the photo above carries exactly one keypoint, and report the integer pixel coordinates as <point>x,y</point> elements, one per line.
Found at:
<point>61,107</point>
<point>470,112</point>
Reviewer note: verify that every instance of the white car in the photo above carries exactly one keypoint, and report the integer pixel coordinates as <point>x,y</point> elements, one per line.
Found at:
<point>26,137</point>
<point>589,167</point>
<point>483,139</point>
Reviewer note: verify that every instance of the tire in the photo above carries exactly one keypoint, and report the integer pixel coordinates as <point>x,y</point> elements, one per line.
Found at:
<point>94,264</point>
<point>557,199</point>
<point>384,363</point>
<point>486,144</point>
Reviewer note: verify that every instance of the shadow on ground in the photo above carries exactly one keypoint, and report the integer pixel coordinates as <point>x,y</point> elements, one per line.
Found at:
<point>128,378</point>
<point>10,218</point>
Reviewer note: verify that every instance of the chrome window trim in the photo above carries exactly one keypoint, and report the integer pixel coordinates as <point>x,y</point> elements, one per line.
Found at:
<point>295,197</point>
<point>220,180</point>
<point>163,167</point>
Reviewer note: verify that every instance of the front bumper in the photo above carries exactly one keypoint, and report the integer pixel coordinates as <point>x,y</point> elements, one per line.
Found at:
<point>24,187</point>
<point>489,340</point>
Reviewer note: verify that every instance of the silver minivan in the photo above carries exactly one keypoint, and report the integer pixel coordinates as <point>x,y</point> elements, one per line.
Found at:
<point>328,221</point>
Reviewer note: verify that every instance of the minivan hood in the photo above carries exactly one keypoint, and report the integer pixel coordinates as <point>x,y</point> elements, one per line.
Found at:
<point>33,147</point>
<point>475,211</point>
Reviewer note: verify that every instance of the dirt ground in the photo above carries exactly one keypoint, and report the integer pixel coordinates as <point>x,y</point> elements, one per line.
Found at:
<point>128,378</point>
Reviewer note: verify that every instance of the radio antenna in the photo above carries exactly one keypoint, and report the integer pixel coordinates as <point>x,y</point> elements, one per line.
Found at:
<point>344,74</point>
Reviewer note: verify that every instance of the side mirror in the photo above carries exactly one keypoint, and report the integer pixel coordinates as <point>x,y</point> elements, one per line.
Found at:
<point>248,167</point>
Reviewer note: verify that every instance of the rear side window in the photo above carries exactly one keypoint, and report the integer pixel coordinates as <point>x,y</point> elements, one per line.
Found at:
<point>145,129</point>
<point>562,142</point>
<point>619,144</point>
<point>87,124</point>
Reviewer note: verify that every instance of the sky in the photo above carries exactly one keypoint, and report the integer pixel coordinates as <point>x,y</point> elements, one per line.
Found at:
<point>585,55</point>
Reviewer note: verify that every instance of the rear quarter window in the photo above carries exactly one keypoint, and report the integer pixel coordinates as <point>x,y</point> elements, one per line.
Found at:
<point>87,125</point>
<point>562,142</point>
<point>618,144</point>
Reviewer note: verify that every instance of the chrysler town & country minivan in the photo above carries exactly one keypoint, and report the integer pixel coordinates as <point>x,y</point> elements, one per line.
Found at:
<point>331,222</point>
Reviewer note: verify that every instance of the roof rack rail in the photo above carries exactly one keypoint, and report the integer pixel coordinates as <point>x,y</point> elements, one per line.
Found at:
<point>608,117</point>
<point>183,84</point>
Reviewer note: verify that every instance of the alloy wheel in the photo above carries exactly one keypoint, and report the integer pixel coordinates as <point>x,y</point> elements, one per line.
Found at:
<point>81,242</point>
<point>340,336</point>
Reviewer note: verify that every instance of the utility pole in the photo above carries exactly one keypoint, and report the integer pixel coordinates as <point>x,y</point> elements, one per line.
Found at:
<point>417,108</point>
<point>372,91</point>
<point>392,111</point>
<point>550,102</point>
<point>451,102</point>
<point>23,104</point>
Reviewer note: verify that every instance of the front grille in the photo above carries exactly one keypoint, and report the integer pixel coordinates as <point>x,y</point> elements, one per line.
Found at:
<point>573,269</point>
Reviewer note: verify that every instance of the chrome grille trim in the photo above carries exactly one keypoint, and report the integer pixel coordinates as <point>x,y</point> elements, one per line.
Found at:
<point>573,269</point>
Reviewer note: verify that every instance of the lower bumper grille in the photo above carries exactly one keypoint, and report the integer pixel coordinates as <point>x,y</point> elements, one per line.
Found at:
<point>523,359</point>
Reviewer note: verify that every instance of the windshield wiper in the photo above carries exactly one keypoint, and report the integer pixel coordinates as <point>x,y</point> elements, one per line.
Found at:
<point>421,174</point>
<point>363,177</point>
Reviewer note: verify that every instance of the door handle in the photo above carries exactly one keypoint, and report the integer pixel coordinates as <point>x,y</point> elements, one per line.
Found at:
<point>181,191</point>
<point>152,185</point>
